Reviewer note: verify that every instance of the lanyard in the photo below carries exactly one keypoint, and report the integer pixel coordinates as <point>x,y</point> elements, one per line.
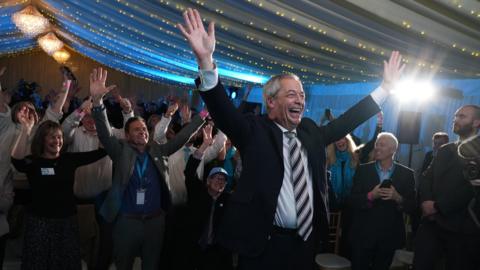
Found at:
<point>141,169</point>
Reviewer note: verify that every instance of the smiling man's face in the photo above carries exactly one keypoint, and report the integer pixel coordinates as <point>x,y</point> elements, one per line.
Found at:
<point>287,106</point>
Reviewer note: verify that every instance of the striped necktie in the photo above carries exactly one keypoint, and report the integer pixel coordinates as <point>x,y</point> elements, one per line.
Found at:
<point>299,183</point>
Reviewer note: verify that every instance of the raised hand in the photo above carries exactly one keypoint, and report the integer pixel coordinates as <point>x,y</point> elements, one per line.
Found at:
<point>380,119</point>
<point>201,41</point>
<point>98,77</point>
<point>207,134</point>
<point>172,109</point>
<point>185,114</point>
<point>392,71</point>
<point>86,106</point>
<point>125,105</point>
<point>26,118</point>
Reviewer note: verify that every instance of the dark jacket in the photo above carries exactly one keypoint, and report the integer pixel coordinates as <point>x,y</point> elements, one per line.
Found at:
<point>248,221</point>
<point>444,183</point>
<point>200,202</point>
<point>380,222</point>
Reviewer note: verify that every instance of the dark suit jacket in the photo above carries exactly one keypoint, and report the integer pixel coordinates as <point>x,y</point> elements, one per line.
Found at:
<point>248,221</point>
<point>380,221</point>
<point>443,182</point>
<point>200,202</point>
<point>427,160</point>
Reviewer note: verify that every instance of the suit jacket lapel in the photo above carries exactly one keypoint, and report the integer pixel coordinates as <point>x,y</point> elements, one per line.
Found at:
<point>449,159</point>
<point>276,136</point>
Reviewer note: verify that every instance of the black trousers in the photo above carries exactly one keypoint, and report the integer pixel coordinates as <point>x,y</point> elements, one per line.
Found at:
<point>214,257</point>
<point>378,257</point>
<point>105,248</point>
<point>461,251</point>
<point>3,243</point>
<point>178,249</point>
<point>284,251</point>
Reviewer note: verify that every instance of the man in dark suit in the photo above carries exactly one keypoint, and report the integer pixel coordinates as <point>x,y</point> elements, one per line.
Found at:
<point>383,190</point>
<point>438,139</point>
<point>206,205</point>
<point>445,194</point>
<point>278,212</point>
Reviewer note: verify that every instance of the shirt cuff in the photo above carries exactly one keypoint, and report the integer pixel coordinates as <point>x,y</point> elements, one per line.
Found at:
<point>208,79</point>
<point>379,95</point>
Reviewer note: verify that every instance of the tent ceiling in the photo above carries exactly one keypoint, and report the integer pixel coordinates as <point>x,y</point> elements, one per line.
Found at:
<point>323,42</point>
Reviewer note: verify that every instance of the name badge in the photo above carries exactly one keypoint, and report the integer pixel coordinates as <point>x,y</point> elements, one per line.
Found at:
<point>47,171</point>
<point>141,196</point>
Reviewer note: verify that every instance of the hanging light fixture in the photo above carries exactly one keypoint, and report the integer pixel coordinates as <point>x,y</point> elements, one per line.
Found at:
<point>61,56</point>
<point>30,21</point>
<point>50,43</point>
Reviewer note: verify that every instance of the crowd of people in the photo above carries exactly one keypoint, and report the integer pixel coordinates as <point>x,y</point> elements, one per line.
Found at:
<point>224,189</point>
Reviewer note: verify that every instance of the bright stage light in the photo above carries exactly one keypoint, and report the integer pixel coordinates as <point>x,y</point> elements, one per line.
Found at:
<point>414,90</point>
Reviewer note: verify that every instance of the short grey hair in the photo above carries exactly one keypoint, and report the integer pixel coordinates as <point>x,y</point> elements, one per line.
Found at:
<point>270,89</point>
<point>391,137</point>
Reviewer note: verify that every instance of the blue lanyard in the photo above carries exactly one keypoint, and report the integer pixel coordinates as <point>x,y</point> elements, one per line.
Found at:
<point>141,170</point>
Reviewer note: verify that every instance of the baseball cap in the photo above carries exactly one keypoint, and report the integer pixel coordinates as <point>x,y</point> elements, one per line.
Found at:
<point>216,170</point>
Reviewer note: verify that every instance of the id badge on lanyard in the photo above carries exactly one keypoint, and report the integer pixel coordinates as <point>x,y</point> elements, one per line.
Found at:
<point>141,196</point>
<point>143,181</point>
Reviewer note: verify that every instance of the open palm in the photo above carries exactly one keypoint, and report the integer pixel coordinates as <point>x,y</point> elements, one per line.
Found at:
<point>201,41</point>
<point>98,77</point>
<point>392,70</point>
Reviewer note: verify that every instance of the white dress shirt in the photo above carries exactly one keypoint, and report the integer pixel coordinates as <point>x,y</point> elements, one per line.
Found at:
<point>286,214</point>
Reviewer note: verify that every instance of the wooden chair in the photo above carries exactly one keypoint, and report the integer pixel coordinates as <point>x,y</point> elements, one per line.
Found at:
<point>332,261</point>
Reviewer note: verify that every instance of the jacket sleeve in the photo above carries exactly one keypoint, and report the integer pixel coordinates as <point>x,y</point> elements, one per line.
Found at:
<point>84,158</point>
<point>160,130</point>
<point>193,184</point>
<point>226,117</point>
<point>348,121</point>
<point>409,203</point>
<point>358,196</point>
<point>6,122</point>
<point>105,135</point>
<point>70,125</point>
<point>51,115</point>
<point>182,137</point>
<point>6,195</point>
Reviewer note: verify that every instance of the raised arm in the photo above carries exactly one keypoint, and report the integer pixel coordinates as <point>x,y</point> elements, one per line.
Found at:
<point>368,147</point>
<point>183,136</point>
<point>72,121</point>
<point>367,107</point>
<point>222,110</point>
<point>62,96</point>
<point>218,143</point>
<point>160,129</point>
<point>27,121</point>
<point>98,90</point>
<point>127,113</point>
<point>84,158</point>
<point>193,183</point>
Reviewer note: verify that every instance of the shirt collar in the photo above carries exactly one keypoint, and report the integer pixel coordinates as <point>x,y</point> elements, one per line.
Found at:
<point>284,129</point>
<point>380,169</point>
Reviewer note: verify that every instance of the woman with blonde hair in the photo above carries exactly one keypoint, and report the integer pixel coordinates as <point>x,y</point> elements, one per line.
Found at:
<point>341,162</point>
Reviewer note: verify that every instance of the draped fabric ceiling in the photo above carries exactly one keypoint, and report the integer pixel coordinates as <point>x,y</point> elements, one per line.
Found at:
<point>324,42</point>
